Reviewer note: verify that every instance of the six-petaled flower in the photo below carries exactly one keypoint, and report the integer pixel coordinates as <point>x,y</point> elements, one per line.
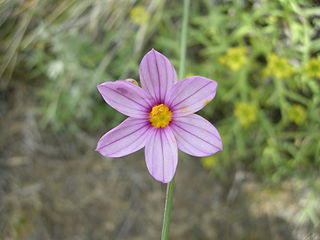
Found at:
<point>161,117</point>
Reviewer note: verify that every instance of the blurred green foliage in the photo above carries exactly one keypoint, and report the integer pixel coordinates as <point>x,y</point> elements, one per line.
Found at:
<point>267,105</point>
<point>263,54</point>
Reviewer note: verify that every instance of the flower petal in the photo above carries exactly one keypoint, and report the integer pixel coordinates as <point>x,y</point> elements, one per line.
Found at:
<point>196,136</point>
<point>190,95</point>
<point>126,98</point>
<point>161,154</point>
<point>157,75</point>
<point>128,137</point>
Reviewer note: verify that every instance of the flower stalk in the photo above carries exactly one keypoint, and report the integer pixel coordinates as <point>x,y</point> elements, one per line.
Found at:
<point>170,186</point>
<point>183,46</point>
<point>167,210</point>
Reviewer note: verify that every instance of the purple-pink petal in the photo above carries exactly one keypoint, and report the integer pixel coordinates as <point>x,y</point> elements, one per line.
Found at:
<point>128,137</point>
<point>190,95</point>
<point>161,154</point>
<point>157,75</point>
<point>196,136</point>
<point>126,98</point>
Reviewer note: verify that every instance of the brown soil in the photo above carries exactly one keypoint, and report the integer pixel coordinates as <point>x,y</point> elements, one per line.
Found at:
<point>53,186</point>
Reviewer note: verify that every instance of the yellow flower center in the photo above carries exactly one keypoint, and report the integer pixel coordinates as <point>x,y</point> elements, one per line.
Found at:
<point>160,116</point>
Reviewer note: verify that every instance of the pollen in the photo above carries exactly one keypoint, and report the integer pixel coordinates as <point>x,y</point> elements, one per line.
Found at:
<point>207,102</point>
<point>160,116</point>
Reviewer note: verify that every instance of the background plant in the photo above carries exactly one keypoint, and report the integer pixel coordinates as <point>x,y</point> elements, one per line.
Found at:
<point>263,54</point>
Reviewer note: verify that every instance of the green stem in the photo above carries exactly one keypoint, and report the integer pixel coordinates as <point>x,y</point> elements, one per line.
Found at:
<point>183,46</point>
<point>170,186</point>
<point>167,210</point>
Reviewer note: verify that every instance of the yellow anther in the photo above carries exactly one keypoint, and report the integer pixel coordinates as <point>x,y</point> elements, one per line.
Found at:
<point>160,116</point>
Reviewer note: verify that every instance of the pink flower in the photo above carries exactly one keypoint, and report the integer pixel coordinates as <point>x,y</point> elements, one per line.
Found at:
<point>161,117</point>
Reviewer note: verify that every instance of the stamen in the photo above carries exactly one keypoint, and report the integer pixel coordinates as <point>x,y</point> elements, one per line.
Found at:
<point>160,116</point>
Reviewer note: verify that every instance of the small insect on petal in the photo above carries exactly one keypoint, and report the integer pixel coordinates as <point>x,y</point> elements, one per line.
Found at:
<point>131,80</point>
